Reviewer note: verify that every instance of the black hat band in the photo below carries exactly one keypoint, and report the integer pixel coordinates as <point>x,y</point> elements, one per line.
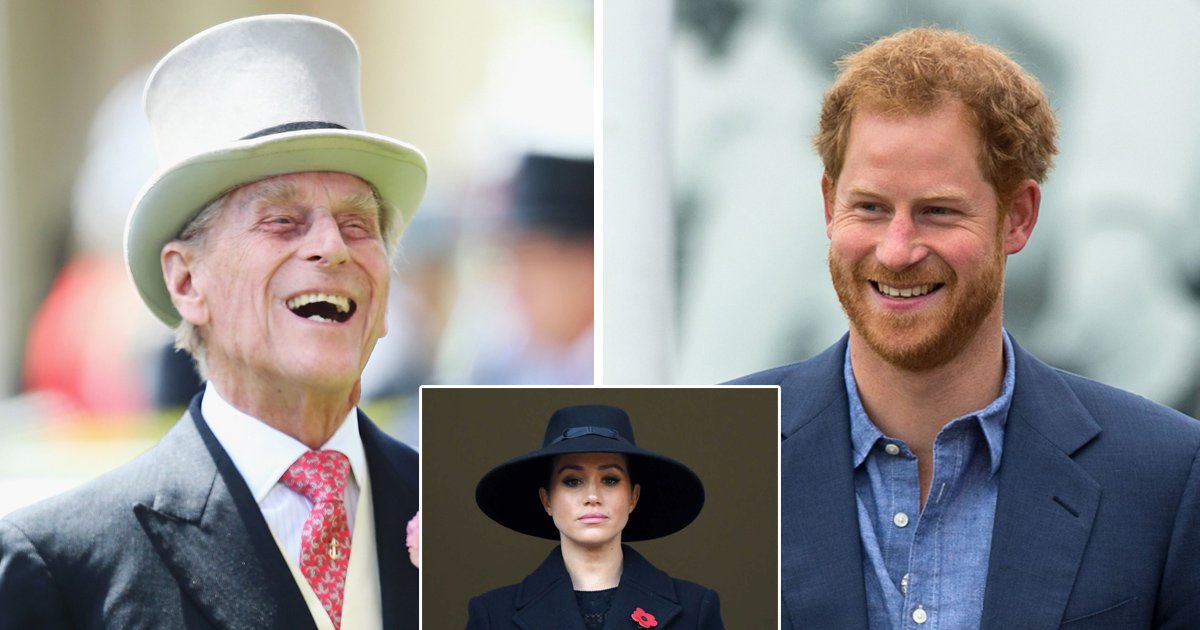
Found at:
<point>577,432</point>
<point>292,126</point>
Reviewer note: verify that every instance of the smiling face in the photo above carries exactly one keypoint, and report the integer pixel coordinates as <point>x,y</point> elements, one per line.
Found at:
<point>917,243</point>
<point>590,498</point>
<point>289,285</point>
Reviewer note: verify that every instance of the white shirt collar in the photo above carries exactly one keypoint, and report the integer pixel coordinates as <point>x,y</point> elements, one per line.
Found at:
<point>262,453</point>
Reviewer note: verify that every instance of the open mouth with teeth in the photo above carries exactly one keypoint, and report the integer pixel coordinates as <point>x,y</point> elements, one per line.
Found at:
<point>322,307</point>
<point>906,292</point>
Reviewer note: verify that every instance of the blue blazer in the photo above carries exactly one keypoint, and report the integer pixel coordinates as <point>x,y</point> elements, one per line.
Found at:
<point>1097,517</point>
<point>174,539</point>
<point>546,600</point>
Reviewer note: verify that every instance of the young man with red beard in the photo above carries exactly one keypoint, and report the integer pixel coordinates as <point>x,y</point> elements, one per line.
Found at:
<point>934,473</point>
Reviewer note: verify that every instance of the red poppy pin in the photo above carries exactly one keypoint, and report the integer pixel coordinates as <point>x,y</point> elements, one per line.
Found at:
<point>644,619</point>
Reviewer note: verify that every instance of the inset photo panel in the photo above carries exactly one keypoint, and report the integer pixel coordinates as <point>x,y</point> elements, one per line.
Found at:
<point>562,507</point>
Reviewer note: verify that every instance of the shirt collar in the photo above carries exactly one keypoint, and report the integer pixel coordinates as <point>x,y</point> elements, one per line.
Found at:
<point>864,433</point>
<point>263,453</point>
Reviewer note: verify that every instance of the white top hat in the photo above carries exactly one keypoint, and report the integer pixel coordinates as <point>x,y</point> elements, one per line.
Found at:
<point>250,99</point>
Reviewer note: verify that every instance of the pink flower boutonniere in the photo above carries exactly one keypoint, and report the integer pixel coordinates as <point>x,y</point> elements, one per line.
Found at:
<point>644,619</point>
<point>413,540</point>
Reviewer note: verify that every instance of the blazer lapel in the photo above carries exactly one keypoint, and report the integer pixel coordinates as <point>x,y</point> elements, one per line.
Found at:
<point>1045,505</point>
<point>642,586</point>
<point>394,494</point>
<point>209,532</point>
<point>821,554</point>
<point>546,598</point>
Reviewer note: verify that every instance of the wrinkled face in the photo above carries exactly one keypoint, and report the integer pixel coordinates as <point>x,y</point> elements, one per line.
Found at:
<point>916,241</point>
<point>590,497</point>
<point>292,281</point>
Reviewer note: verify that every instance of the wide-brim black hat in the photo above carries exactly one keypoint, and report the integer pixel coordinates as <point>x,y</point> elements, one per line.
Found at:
<point>671,496</point>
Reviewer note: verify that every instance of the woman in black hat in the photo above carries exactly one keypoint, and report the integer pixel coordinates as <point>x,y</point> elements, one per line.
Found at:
<point>591,488</point>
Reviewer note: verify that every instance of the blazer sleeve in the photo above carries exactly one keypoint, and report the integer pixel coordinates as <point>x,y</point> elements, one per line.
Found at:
<point>1178,605</point>
<point>29,597</point>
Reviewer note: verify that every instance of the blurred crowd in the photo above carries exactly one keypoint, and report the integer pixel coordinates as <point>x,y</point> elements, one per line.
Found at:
<point>493,278</point>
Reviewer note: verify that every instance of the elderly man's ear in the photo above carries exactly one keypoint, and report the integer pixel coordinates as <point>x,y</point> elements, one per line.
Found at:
<point>177,265</point>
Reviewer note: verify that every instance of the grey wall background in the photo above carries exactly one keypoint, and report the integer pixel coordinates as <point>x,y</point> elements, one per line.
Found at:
<point>1109,285</point>
<point>729,436</point>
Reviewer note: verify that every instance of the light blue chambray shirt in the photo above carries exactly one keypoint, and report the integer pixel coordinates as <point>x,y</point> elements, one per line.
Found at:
<point>928,569</point>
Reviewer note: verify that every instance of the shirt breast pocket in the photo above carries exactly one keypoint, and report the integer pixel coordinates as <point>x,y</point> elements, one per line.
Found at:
<point>1119,616</point>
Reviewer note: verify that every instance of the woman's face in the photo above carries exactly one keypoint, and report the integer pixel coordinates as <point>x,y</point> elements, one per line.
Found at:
<point>590,497</point>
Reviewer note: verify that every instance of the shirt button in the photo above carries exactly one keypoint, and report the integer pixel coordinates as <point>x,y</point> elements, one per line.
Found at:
<point>919,615</point>
<point>900,519</point>
<point>891,449</point>
<point>904,585</point>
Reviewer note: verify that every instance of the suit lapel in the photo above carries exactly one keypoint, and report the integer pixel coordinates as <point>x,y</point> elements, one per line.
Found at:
<point>394,495</point>
<point>210,534</point>
<point>1045,505</point>
<point>546,599</point>
<point>642,586</point>
<point>821,554</point>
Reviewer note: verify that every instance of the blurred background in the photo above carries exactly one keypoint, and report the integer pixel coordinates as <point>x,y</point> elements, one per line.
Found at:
<point>710,181</point>
<point>496,93</point>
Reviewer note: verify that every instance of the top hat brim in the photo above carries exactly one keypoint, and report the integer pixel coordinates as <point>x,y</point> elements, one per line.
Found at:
<point>671,496</point>
<point>175,195</point>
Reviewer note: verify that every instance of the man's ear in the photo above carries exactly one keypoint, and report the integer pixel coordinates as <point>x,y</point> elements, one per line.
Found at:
<point>827,194</point>
<point>1021,216</point>
<point>178,263</point>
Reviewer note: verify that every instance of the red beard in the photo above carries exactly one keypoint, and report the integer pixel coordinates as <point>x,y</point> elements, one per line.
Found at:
<point>919,341</point>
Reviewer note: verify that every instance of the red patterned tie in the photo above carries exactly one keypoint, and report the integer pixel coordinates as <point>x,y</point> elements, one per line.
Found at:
<point>325,541</point>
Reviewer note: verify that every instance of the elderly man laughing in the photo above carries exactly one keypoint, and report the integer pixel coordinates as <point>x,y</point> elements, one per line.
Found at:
<point>265,242</point>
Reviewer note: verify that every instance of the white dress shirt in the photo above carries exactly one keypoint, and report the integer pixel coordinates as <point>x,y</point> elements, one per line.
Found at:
<point>262,454</point>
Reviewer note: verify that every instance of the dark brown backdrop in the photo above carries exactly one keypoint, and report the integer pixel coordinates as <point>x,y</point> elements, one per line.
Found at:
<point>728,435</point>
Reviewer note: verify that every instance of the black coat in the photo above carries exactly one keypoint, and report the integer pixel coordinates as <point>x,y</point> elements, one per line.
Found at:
<point>545,600</point>
<point>174,539</point>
